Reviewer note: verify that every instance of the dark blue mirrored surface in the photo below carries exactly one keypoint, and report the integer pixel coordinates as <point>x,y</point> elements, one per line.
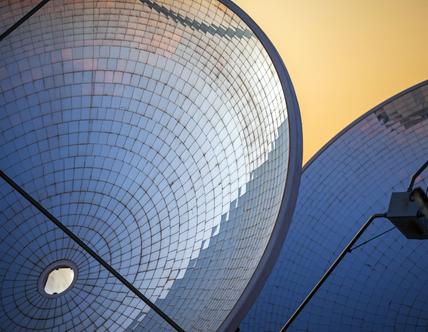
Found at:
<point>380,286</point>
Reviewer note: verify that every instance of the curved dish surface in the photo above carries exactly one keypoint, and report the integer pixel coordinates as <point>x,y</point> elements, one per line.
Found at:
<point>379,286</point>
<point>162,133</point>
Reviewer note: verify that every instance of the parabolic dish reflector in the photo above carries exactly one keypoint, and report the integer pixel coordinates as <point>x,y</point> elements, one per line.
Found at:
<point>166,135</point>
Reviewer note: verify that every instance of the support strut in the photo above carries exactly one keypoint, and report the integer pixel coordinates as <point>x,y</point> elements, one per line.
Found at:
<point>86,248</point>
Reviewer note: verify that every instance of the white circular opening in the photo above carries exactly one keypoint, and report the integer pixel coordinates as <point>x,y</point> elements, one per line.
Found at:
<point>57,278</point>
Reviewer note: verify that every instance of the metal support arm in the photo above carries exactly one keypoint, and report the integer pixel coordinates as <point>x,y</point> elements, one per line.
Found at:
<point>331,269</point>
<point>85,247</point>
<point>418,172</point>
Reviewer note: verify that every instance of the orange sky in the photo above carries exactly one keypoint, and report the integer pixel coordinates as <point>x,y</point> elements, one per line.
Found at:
<point>344,56</point>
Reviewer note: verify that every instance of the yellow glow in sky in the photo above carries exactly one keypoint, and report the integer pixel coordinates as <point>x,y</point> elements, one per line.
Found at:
<point>344,56</point>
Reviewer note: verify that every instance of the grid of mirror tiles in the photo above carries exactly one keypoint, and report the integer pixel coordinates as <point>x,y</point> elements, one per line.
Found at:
<point>158,132</point>
<point>381,286</point>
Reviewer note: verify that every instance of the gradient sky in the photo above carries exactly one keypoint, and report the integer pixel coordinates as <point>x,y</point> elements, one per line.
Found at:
<point>344,56</point>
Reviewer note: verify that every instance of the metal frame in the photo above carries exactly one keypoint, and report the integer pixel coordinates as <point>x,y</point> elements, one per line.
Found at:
<point>416,195</point>
<point>414,177</point>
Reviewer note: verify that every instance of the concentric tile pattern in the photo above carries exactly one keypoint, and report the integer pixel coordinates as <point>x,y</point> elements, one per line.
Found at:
<point>158,132</point>
<point>380,286</point>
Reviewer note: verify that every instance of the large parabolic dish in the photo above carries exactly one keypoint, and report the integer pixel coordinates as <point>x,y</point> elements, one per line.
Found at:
<point>166,135</point>
<point>381,284</point>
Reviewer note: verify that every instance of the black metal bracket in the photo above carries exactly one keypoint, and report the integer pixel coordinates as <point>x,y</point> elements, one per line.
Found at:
<point>418,172</point>
<point>421,199</point>
<point>400,210</point>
